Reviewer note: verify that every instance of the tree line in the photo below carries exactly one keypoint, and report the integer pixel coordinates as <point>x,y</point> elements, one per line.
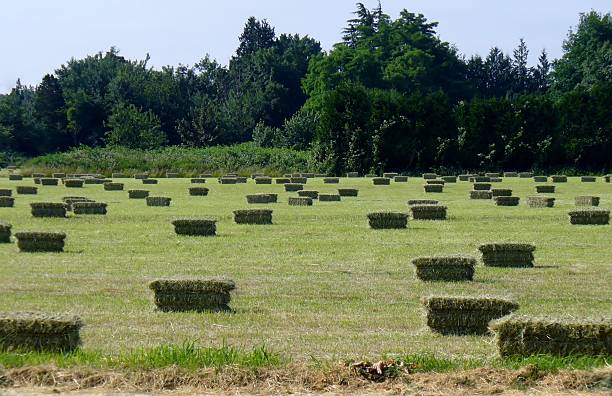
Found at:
<point>391,95</point>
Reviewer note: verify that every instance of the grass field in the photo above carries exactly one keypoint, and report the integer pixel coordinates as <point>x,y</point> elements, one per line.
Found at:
<point>318,283</point>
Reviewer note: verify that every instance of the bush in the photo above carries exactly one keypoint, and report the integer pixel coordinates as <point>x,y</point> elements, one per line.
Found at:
<point>261,198</point>
<point>559,179</point>
<point>49,181</point>
<point>40,241</point>
<point>528,336</point>
<point>545,189</point>
<point>381,181</point>
<point>433,188</point>
<point>198,181</point>
<point>198,191</point>
<point>526,175</point>
<point>192,295</point>
<point>540,202</point>
<point>329,198</point>
<point>428,212</point>
<point>422,202</point>
<point>331,180</point>
<point>293,187</point>
<point>14,177</point>
<point>387,220</point>
<point>73,183</point>
<point>586,201</point>
<point>263,180</point>
<point>6,192</point>
<point>352,174</point>
<point>510,174</point>
<point>516,255</point>
<point>138,194</point>
<point>7,202</point>
<point>48,209</point>
<point>589,216</point>
<point>158,201</point>
<point>282,180</point>
<point>195,227</point>
<point>507,201</point>
<point>480,194</point>
<point>309,193</point>
<point>429,176</point>
<point>172,175</point>
<point>445,268</point>
<point>108,186</point>
<point>449,179</point>
<point>501,192</point>
<point>253,216</point>
<point>150,181</point>
<point>465,315</point>
<point>348,192</point>
<point>588,179</point>
<point>5,232</point>
<point>92,208</point>
<point>300,201</point>
<point>29,331</point>
<point>482,186</point>
<point>540,179</point>
<point>27,190</point>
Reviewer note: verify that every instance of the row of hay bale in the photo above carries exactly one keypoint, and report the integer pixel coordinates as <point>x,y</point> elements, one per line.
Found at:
<point>33,241</point>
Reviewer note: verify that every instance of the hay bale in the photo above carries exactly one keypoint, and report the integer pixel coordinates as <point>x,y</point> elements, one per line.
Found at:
<point>496,180</point>
<point>158,201</point>
<point>263,180</point>
<point>172,175</point>
<point>27,190</point>
<point>300,201</point>
<point>510,174</point>
<point>309,193</point>
<point>299,180</point>
<point>329,198</point>
<point>31,331</point>
<point>480,194</point>
<point>141,176</point>
<point>422,202</point>
<point>138,194</point>
<point>5,232</point>
<point>40,241</point>
<point>428,212</point>
<point>15,177</point>
<point>464,177</point>
<point>352,174</point>
<point>433,188</point>
<point>540,179</point>
<point>387,220</point>
<point>381,181</point>
<point>74,183</point>
<point>492,174</point>
<point>69,201</point>
<point>540,202</point>
<point>228,180</point>
<point>93,180</point>
<point>241,179</point>
<point>293,187</point>
<point>514,255</point>
<point>444,268</point>
<point>253,216</point>
<point>282,180</point>
<point>48,209</point>
<point>390,175</point>
<point>585,200</point>
<point>118,175</point>
<point>198,191</point>
<point>149,181</point>
<point>506,201</point>
<point>59,175</point>
<point>589,216</point>
<point>89,208</point>
<point>545,189</point>
<point>501,192</point>
<point>307,175</point>
<point>529,336</point>
<point>449,179</point>
<point>607,178</point>
<point>110,186</point>
<point>348,192</point>
<point>430,176</point>
<point>6,192</point>
<point>256,175</point>
<point>49,181</point>
<point>559,178</point>
<point>195,227</point>
<point>442,182</point>
<point>261,198</point>
<point>480,179</point>
<point>482,186</point>
<point>38,175</point>
<point>200,295</point>
<point>525,175</point>
<point>588,179</point>
<point>7,202</point>
<point>198,180</point>
<point>331,180</point>
<point>465,315</point>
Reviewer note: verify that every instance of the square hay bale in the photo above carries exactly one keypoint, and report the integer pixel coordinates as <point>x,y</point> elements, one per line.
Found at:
<point>158,201</point>
<point>387,220</point>
<point>482,186</point>
<point>241,179</point>
<point>200,295</point>
<point>69,201</point>
<point>300,201</point>
<point>545,189</point>
<point>48,209</point>
<point>198,191</point>
<point>172,175</point>
<point>480,179</point>
<point>464,177</point>
<point>263,180</point>
<point>15,177</point>
<point>430,176</point>
<point>540,202</point>
<point>501,192</point>
<point>138,194</point>
<point>93,180</point>
<point>423,202</point>
<point>59,175</point>
<point>141,176</point>
<point>589,216</point>
<point>442,182</point>
<point>295,174</point>
<point>282,180</point>
<point>492,174</point>
<point>299,180</point>
<point>40,241</point>
<point>149,181</point>
<point>7,202</point>
<point>433,188</point>
<point>513,255</point>
<point>529,336</point>
<point>118,175</point>
<point>331,180</point>
<point>330,198</point>
<point>253,216</point>
<point>195,227</point>
<point>89,208</point>
<point>584,200</point>
<point>540,179</point>
<point>74,183</point>
<point>198,180</point>
<point>481,194</point>
<point>445,268</point>
<point>309,193</point>
<point>352,174</point>
<point>307,175</point>
<point>449,179</point>
<point>49,181</point>
<point>228,180</point>
<point>371,175</point>
<point>507,201</point>
<point>110,186</point>
<point>261,198</point>
<point>588,179</point>
<point>607,178</point>
<point>559,178</point>
<point>38,175</point>
<point>5,232</point>
<point>496,180</point>
<point>34,331</point>
<point>428,212</point>
<point>348,192</point>
<point>510,174</point>
<point>525,175</point>
<point>450,315</point>
<point>231,175</point>
<point>293,187</point>
<point>390,175</point>
<point>6,192</point>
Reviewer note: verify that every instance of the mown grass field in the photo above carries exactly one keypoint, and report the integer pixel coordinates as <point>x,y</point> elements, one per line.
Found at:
<point>318,283</point>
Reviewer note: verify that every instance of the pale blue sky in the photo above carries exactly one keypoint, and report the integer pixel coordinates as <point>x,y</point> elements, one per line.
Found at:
<point>37,36</point>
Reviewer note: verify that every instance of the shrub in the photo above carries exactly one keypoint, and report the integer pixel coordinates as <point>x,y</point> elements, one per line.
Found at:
<point>588,179</point>
<point>507,201</point>
<point>559,179</point>
<point>282,180</point>
<point>195,227</point>
<point>40,241</point>
<point>586,201</point>
<point>141,176</point>
<point>387,220</point>
<point>158,201</point>
<point>253,216</point>
<point>528,336</point>
<point>172,175</point>
<point>228,180</point>
<point>7,202</point>
<point>480,179</point>
<point>329,198</point>
<point>482,186</point>
<point>30,331</point>
<point>381,181</point>
<point>449,179</point>
<point>5,232</point>
<point>198,191</point>
<point>480,194</point>
<point>545,189</point>
<point>27,190</point>
<point>150,181</point>
<point>300,201</point>
<point>428,212</point>
<point>109,186</point>
<point>540,202</point>
<point>442,182</point>
<point>138,194</point>
<point>501,192</point>
<point>422,202</point>
<point>73,183</point>
<point>49,181</point>
<point>510,174</point>
<point>429,176</point>
<point>516,255</point>
<point>433,188</point>
<point>589,216</point>
<point>263,180</point>
<point>540,179</point>
<point>309,193</point>
<point>293,187</point>
<point>6,192</point>
<point>331,180</point>
<point>92,208</point>
<point>48,209</point>
<point>261,198</point>
<point>390,175</point>
<point>198,181</point>
<point>465,315</point>
<point>348,192</point>
<point>352,174</point>
<point>445,268</point>
<point>15,177</point>
<point>192,294</point>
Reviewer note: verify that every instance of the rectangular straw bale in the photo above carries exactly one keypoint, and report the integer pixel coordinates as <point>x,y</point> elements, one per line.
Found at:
<point>40,332</point>
<point>585,200</point>
<point>445,268</point>
<point>540,202</point>
<point>300,201</point>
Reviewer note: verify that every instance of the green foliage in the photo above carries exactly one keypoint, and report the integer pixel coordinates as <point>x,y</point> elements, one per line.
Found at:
<point>132,128</point>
